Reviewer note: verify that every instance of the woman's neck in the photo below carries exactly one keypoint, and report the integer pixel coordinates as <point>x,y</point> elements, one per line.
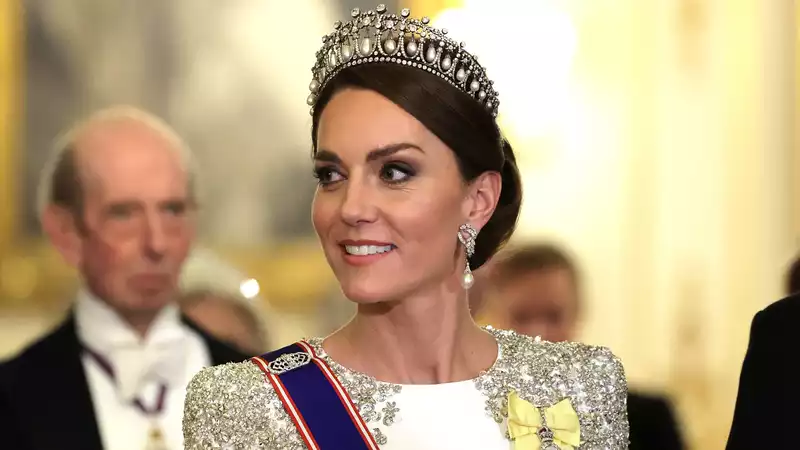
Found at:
<point>428,339</point>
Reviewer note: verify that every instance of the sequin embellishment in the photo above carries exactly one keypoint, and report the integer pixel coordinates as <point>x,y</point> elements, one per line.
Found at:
<point>231,406</point>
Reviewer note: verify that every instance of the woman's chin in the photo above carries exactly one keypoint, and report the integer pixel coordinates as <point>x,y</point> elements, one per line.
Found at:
<point>363,298</point>
<point>367,294</point>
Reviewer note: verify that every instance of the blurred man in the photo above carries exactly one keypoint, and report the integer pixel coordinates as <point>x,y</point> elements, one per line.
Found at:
<point>536,291</point>
<point>793,278</point>
<point>766,405</point>
<point>226,317</point>
<point>117,200</point>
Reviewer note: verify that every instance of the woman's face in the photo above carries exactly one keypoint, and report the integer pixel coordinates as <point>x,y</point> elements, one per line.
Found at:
<point>390,199</point>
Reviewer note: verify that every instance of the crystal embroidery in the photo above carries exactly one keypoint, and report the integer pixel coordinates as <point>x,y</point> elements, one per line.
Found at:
<point>389,411</point>
<point>380,438</point>
<point>230,406</point>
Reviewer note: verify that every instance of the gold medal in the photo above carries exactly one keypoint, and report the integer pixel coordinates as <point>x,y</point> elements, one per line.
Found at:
<point>155,441</point>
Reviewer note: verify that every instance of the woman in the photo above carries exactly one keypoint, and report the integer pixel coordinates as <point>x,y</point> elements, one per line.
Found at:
<point>417,187</point>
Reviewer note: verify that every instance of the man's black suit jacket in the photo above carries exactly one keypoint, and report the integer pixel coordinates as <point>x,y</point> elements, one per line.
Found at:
<point>767,413</point>
<point>45,402</point>
<point>653,424</point>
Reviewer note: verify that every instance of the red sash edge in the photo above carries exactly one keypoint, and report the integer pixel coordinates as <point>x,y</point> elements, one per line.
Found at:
<point>347,401</point>
<point>296,415</point>
<point>288,403</point>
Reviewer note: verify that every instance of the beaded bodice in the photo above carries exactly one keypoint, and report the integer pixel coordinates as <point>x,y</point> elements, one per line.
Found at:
<point>232,406</point>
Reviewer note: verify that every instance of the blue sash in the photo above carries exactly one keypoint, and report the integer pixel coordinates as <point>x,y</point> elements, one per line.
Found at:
<point>320,407</point>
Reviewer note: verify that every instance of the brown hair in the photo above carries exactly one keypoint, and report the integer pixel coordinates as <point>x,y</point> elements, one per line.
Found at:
<point>66,189</point>
<point>456,118</point>
<point>793,278</point>
<point>525,259</point>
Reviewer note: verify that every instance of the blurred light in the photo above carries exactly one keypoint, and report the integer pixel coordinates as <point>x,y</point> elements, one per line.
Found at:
<point>528,49</point>
<point>249,288</point>
<point>18,278</point>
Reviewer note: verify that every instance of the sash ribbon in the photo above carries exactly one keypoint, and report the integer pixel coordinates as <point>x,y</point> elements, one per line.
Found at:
<point>318,404</point>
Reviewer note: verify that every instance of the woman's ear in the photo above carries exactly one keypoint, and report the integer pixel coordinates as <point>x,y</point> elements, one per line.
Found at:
<point>482,197</point>
<point>60,225</point>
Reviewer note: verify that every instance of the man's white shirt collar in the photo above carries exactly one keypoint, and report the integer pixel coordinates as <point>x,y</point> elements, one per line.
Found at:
<point>159,357</point>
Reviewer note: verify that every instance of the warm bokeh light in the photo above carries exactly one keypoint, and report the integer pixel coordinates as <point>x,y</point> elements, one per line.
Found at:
<point>528,48</point>
<point>249,288</point>
<point>564,142</point>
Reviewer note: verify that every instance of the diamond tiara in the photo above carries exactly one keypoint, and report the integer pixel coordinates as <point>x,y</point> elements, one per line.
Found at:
<point>378,37</point>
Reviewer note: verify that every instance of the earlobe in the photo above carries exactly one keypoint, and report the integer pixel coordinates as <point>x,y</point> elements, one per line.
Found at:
<point>484,195</point>
<point>59,225</point>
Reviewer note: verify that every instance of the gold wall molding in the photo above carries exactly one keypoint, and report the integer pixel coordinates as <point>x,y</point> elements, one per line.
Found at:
<point>11,104</point>
<point>429,8</point>
<point>796,118</point>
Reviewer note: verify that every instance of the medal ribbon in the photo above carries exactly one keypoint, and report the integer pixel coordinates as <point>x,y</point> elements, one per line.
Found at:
<point>108,369</point>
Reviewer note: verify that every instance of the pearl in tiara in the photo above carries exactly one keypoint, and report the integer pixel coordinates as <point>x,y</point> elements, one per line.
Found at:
<point>376,37</point>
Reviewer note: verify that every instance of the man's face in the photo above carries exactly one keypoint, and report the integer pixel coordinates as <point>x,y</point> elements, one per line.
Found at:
<point>137,223</point>
<point>540,303</point>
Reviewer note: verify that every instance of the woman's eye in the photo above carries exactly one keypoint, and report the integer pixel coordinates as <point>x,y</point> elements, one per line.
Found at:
<point>327,175</point>
<point>396,173</point>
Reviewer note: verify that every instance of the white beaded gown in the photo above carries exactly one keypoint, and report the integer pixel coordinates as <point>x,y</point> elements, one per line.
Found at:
<point>232,406</point>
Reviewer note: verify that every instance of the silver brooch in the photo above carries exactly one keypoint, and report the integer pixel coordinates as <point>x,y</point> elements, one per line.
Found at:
<point>287,362</point>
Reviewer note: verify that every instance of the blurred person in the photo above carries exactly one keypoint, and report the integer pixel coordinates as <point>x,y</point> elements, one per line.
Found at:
<point>793,277</point>
<point>212,296</point>
<point>226,317</point>
<point>416,187</point>
<point>536,290</point>
<point>117,200</point>
<point>766,403</point>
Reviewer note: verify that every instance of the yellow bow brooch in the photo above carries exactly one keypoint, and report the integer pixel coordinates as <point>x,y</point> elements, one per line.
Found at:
<point>561,429</point>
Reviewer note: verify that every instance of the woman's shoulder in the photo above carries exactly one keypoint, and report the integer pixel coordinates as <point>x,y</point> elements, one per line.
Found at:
<point>591,360</point>
<point>591,377</point>
<point>226,383</point>
<point>233,405</point>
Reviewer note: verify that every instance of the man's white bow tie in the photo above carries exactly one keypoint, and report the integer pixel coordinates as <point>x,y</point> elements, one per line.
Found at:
<point>135,365</point>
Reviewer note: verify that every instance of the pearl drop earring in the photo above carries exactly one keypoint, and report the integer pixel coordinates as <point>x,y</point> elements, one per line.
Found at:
<point>467,235</point>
